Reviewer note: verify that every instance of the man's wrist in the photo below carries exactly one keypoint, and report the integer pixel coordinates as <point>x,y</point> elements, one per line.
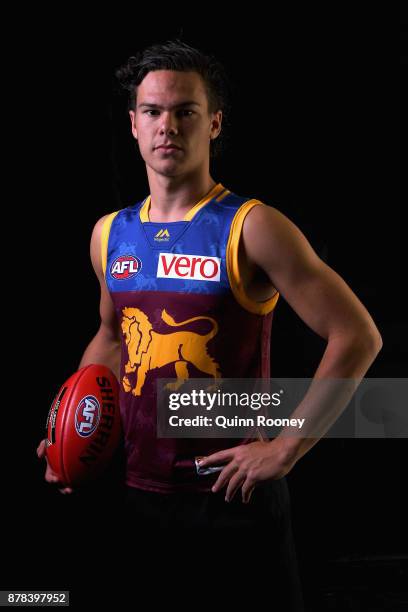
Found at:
<point>289,447</point>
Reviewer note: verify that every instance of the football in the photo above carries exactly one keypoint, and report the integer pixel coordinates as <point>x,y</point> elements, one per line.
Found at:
<point>83,425</point>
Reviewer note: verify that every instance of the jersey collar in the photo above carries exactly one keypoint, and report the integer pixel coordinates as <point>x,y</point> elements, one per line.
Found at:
<point>215,191</point>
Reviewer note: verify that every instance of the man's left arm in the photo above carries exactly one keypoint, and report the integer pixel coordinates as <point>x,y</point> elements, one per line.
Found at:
<point>326,304</point>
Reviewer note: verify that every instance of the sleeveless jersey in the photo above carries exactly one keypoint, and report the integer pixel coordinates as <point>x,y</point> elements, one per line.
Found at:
<point>183,313</point>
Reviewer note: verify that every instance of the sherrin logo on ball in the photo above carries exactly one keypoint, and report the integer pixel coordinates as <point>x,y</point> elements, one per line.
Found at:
<point>87,416</point>
<point>125,266</point>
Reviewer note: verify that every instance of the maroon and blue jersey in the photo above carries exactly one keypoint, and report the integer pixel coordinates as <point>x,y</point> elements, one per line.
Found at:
<point>183,313</point>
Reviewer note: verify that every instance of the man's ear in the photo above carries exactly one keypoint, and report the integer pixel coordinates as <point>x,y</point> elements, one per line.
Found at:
<point>132,116</point>
<point>216,123</point>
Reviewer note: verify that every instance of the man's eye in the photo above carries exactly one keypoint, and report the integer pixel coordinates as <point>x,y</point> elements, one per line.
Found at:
<point>183,112</point>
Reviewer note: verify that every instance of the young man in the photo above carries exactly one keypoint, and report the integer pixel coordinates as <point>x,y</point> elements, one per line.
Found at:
<point>195,257</point>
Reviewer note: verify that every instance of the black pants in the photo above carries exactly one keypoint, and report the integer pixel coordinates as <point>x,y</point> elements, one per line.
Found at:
<point>252,542</point>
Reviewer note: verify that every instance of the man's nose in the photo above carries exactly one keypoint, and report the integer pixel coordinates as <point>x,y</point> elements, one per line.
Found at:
<point>168,124</point>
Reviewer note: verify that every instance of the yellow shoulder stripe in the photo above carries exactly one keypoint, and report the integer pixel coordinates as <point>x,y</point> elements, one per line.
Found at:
<point>237,287</point>
<point>105,238</point>
<point>144,211</point>
<point>222,196</point>
<point>215,191</point>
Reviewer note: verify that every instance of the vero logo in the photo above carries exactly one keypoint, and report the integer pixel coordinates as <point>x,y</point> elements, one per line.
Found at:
<point>195,267</point>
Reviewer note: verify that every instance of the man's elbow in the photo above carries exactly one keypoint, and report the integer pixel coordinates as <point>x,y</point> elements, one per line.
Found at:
<point>109,334</point>
<point>372,341</point>
<point>365,339</point>
<point>379,342</point>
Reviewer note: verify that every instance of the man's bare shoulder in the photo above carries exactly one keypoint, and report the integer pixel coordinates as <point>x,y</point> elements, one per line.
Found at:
<point>266,230</point>
<point>267,218</point>
<point>99,223</point>
<point>95,247</point>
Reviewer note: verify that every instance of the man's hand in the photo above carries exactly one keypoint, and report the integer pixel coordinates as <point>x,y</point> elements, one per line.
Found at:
<point>50,475</point>
<point>249,464</point>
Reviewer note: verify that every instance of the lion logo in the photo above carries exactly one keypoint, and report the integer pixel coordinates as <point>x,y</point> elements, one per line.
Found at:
<point>148,349</point>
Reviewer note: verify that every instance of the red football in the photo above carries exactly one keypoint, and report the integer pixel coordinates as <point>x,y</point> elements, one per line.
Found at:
<point>83,425</point>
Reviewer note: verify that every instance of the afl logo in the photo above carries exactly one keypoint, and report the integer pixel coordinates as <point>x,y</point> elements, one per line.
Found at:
<point>125,267</point>
<point>87,416</point>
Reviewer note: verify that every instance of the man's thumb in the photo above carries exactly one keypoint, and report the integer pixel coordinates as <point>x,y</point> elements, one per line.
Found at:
<point>41,449</point>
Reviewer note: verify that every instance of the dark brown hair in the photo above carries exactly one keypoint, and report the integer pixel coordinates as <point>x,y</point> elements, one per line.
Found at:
<point>179,56</point>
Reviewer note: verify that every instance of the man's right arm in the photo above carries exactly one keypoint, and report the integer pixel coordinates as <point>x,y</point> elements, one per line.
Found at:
<point>105,346</point>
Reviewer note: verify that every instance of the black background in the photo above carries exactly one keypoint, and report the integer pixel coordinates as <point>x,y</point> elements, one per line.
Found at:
<point>317,130</point>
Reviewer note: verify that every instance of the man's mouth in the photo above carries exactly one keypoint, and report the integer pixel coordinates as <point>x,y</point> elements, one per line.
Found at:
<point>169,147</point>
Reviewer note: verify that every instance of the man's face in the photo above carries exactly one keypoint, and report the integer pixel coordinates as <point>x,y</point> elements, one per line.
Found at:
<point>172,109</point>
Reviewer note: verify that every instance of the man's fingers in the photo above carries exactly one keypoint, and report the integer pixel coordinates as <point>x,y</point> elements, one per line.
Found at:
<point>219,457</point>
<point>50,476</point>
<point>247,489</point>
<point>41,449</point>
<point>224,477</point>
<point>233,485</point>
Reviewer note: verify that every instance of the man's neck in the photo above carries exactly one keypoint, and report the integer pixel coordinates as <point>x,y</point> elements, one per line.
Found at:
<point>171,198</point>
